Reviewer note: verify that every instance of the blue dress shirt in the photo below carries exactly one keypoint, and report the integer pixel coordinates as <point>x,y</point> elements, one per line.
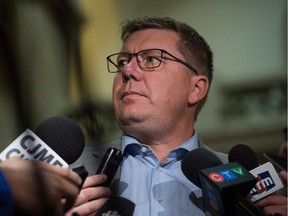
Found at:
<point>157,188</point>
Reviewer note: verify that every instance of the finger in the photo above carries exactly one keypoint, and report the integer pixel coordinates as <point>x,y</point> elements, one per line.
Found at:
<point>284,175</point>
<point>57,188</point>
<point>94,180</point>
<point>275,209</point>
<point>69,191</point>
<point>65,172</point>
<point>16,157</point>
<point>51,188</point>
<point>92,193</point>
<point>272,200</point>
<point>88,208</point>
<point>16,162</point>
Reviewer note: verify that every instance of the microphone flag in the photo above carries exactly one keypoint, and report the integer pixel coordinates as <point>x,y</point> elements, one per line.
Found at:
<point>221,184</point>
<point>29,146</point>
<point>268,182</point>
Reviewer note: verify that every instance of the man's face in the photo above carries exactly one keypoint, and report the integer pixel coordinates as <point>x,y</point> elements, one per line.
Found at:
<point>153,99</point>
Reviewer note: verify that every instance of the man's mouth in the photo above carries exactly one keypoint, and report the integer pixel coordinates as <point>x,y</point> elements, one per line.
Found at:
<point>130,93</point>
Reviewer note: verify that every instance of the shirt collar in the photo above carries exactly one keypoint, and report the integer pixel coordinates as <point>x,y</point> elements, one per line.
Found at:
<point>189,145</point>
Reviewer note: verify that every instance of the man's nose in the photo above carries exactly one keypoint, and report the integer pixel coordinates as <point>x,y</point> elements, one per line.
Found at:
<point>132,70</point>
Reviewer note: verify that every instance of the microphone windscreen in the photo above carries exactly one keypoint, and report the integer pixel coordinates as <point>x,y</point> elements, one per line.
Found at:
<point>244,155</point>
<point>64,136</point>
<point>196,160</point>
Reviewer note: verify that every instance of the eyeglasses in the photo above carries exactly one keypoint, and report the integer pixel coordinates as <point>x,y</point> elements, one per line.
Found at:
<point>147,59</point>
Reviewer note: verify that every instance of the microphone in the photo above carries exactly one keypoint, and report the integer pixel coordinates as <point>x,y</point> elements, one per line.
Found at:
<point>244,155</point>
<point>62,135</point>
<point>278,161</point>
<point>109,164</point>
<point>268,180</point>
<point>58,141</point>
<point>191,165</point>
<point>196,160</point>
<point>117,206</point>
<point>221,184</point>
<point>66,138</point>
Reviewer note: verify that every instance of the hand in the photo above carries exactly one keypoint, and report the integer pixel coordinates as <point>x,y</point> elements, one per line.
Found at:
<point>273,204</point>
<point>283,175</point>
<point>37,187</point>
<point>92,197</point>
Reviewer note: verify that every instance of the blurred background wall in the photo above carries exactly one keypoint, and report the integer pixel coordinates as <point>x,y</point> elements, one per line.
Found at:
<point>52,62</point>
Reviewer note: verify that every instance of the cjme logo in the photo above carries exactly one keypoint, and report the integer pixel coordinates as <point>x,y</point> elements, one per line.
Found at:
<point>228,174</point>
<point>265,183</point>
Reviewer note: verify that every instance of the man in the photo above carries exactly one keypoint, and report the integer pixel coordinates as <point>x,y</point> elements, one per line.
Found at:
<point>163,73</point>
<point>36,188</point>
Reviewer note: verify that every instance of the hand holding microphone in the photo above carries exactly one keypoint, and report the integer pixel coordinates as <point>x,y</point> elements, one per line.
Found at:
<point>91,197</point>
<point>275,204</point>
<point>263,194</point>
<point>95,191</point>
<point>224,186</point>
<point>37,188</point>
<point>65,137</point>
<point>59,142</point>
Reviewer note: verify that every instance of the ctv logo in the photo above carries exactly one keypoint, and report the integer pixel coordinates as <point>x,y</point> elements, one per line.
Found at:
<point>228,174</point>
<point>265,183</point>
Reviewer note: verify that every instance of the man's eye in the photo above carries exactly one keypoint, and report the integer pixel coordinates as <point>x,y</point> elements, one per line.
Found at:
<point>121,63</point>
<point>152,59</point>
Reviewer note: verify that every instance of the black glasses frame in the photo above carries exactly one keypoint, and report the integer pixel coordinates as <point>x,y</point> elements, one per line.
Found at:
<point>130,55</point>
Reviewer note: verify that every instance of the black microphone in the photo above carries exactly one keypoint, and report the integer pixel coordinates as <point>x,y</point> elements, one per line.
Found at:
<point>279,162</point>
<point>109,164</point>
<point>58,141</point>
<point>66,138</point>
<point>244,155</point>
<point>192,163</point>
<point>221,184</point>
<point>117,206</point>
<point>247,157</point>
<point>196,160</point>
<point>268,180</point>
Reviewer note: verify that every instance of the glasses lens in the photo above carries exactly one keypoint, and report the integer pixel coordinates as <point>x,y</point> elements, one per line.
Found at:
<point>117,61</point>
<point>149,59</point>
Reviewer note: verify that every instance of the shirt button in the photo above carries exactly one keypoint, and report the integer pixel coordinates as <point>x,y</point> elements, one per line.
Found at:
<point>159,199</point>
<point>143,149</point>
<point>160,169</point>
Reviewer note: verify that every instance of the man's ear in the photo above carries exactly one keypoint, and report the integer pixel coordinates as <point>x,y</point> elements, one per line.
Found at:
<point>200,86</point>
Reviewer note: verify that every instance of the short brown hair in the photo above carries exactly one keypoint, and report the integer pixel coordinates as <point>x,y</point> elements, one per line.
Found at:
<point>192,46</point>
